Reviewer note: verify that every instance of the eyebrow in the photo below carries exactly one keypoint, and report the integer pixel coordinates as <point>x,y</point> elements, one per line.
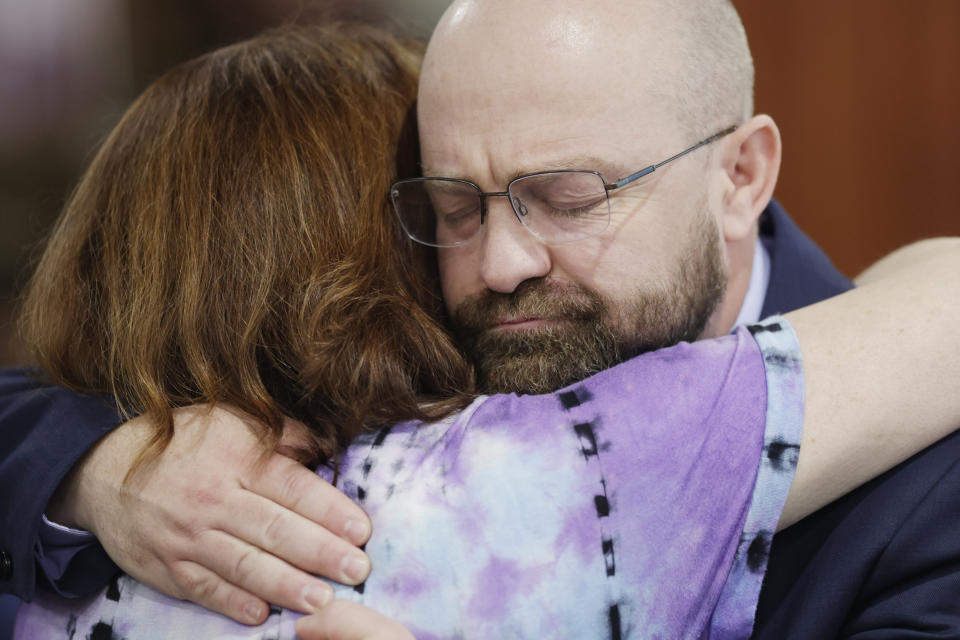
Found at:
<point>610,172</point>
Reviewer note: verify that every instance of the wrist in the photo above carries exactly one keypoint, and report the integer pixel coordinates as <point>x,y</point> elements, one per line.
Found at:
<point>94,484</point>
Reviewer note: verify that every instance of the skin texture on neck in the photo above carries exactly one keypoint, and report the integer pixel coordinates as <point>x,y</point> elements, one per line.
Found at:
<point>740,256</point>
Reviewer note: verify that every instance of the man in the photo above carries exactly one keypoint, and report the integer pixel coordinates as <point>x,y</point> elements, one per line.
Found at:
<point>511,90</point>
<point>672,259</point>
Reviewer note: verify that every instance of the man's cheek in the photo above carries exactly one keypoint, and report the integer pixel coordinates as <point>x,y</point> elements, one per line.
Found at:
<point>454,278</point>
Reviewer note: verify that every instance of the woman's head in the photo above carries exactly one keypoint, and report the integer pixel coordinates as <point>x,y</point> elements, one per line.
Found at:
<point>231,242</point>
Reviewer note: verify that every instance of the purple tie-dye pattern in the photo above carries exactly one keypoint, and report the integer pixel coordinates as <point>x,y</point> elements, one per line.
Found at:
<point>632,505</point>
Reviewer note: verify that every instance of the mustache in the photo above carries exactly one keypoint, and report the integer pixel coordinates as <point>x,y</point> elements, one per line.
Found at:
<point>535,298</point>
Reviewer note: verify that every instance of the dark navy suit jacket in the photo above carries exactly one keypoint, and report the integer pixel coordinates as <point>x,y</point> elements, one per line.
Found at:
<point>882,562</point>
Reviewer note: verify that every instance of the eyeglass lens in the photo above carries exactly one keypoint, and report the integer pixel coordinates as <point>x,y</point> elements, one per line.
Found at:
<point>560,206</point>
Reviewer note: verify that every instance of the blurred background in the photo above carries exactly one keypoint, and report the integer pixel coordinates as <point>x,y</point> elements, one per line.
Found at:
<point>866,93</point>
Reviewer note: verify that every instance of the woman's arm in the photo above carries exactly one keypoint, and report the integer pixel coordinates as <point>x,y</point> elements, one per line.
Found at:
<point>882,371</point>
<point>912,255</point>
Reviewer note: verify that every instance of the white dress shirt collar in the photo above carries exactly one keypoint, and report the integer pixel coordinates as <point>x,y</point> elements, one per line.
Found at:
<point>757,290</point>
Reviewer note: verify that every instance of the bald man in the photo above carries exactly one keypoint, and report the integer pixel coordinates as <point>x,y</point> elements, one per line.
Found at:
<point>641,117</point>
<point>510,90</point>
<point>513,89</point>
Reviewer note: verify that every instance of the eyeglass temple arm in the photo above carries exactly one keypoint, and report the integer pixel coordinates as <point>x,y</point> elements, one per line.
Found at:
<point>654,167</point>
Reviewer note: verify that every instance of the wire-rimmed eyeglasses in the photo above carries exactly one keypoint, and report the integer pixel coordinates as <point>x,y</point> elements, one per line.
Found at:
<point>556,206</point>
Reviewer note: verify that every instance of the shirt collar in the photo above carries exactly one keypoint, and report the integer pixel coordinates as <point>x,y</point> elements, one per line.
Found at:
<point>757,290</point>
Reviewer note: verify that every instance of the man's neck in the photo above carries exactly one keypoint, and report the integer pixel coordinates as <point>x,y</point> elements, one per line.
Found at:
<point>746,291</point>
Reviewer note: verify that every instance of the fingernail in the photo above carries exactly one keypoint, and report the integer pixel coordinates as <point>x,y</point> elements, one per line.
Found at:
<point>357,531</point>
<point>355,567</point>
<point>317,595</point>
<point>253,612</point>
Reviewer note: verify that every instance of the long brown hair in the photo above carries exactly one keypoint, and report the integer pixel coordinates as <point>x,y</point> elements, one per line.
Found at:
<point>231,242</point>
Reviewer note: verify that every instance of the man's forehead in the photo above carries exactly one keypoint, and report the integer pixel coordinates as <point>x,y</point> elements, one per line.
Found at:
<point>493,107</point>
<point>544,30</point>
<point>543,46</point>
<point>496,145</point>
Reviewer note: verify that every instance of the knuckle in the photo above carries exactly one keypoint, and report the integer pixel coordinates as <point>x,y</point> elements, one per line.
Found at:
<point>195,586</point>
<point>194,510</point>
<point>189,529</point>
<point>244,566</point>
<point>276,530</point>
<point>294,485</point>
<point>204,492</point>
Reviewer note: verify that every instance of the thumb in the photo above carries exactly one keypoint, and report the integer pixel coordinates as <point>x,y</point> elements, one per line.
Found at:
<point>347,620</point>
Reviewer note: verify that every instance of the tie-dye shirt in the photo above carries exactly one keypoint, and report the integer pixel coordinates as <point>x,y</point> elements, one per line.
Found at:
<point>639,503</point>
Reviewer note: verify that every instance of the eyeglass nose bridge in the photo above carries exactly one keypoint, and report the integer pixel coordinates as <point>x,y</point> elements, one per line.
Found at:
<point>519,208</point>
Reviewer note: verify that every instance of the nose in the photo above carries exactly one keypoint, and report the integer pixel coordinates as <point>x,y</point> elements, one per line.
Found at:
<point>509,254</point>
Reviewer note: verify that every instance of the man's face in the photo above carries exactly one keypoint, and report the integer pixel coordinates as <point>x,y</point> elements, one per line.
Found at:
<point>537,316</point>
<point>550,332</point>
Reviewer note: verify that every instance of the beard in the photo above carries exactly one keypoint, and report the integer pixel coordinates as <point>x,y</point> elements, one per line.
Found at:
<point>588,333</point>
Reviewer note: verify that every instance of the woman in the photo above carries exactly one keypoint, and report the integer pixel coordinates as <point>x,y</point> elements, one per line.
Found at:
<point>231,244</point>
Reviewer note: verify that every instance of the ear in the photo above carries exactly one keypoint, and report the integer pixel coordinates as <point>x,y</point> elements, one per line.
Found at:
<point>750,161</point>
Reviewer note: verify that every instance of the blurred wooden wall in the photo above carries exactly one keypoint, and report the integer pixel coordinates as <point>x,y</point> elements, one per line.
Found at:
<point>867,97</point>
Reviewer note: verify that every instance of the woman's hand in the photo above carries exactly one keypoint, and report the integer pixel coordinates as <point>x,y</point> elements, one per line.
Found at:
<point>346,620</point>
